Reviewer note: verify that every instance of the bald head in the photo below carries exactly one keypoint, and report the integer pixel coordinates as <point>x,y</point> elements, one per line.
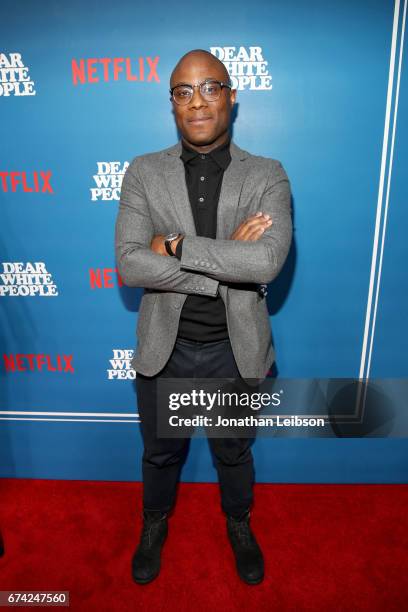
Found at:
<point>203,122</point>
<point>199,56</point>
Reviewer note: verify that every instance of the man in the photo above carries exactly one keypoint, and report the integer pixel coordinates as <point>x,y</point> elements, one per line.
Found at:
<point>202,226</point>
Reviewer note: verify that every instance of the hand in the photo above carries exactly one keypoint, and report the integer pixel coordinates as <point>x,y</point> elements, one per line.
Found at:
<point>253,227</point>
<point>157,245</point>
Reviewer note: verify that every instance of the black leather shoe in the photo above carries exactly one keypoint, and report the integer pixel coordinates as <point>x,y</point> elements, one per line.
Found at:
<point>146,560</point>
<point>248,555</point>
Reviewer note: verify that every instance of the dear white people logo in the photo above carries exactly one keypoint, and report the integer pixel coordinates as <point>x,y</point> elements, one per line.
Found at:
<point>120,365</point>
<point>29,279</point>
<point>246,66</point>
<point>14,76</point>
<point>108,180</point>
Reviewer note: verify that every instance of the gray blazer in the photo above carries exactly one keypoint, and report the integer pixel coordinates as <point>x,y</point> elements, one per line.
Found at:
<point>154,200</point>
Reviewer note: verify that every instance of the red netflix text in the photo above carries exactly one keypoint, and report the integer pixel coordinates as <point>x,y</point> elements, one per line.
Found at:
<point>21,362</point>
<point>94,70</point>
<point>104,278</point>
<point>26,181</point>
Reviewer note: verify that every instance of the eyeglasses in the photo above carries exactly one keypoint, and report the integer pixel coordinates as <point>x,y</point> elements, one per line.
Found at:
<point>210,91</point>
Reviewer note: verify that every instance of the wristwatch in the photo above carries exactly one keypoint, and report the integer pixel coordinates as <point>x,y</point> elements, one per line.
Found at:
<point>168,240</point>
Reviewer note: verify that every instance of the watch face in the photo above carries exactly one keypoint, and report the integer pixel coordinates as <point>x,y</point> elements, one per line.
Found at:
<point>171,236</point>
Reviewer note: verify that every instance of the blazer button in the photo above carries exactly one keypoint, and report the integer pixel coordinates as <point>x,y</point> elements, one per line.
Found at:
<point>213,266</point>
<point>202,263</point>
<point>196,262</point>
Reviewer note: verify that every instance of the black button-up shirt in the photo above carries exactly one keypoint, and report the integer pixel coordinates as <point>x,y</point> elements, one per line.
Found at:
<point>203,317</point>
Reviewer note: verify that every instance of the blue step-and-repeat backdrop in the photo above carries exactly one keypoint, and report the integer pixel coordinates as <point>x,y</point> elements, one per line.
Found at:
<point>83,90</point>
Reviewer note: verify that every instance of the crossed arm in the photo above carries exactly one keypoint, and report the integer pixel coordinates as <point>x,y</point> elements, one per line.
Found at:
<point>254,253</point>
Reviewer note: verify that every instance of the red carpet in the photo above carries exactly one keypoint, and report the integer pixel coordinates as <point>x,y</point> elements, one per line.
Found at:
<point>327,547</point>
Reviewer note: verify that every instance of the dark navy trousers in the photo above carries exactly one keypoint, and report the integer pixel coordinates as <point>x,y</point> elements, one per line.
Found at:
<point>163,458</point>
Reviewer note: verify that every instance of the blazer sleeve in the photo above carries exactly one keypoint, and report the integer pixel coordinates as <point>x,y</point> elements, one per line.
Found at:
<point>241,261</point>
<point>137,264</point>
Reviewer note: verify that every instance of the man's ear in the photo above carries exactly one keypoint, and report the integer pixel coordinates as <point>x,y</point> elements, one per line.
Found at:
<point>233,96</point>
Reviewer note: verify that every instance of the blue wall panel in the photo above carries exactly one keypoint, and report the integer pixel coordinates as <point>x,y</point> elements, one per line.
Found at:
<point>323,118</point>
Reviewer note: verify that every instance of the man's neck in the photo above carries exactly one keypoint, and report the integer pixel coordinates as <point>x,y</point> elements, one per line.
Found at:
<point>207,148</point>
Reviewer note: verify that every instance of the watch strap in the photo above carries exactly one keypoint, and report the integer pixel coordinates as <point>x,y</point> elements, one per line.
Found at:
<point>168,248</point>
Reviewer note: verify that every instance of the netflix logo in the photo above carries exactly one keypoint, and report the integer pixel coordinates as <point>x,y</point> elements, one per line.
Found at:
<point>28,182</point>
<point>95,70</point>
<point>104,278</point>
<point>23,362</point>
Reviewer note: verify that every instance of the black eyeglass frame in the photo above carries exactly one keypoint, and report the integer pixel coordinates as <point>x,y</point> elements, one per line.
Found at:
<point>221,83</point>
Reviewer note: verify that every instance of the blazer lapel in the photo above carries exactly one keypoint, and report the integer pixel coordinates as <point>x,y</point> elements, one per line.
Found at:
<point>231,187</point>
<point>176,184</point>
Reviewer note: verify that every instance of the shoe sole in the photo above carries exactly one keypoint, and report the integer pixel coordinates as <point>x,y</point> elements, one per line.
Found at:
<point>146,580</point>
<point>250,582</point>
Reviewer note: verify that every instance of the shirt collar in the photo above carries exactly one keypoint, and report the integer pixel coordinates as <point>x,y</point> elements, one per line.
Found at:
<point>221,155</point>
